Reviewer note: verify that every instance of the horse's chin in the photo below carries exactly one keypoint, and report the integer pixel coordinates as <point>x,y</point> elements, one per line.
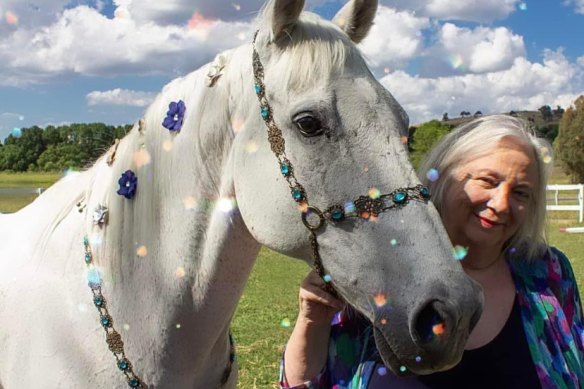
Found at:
<point>390,359</point>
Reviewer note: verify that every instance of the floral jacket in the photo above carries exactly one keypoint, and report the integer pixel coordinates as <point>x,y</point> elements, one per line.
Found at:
<point>551,313</point>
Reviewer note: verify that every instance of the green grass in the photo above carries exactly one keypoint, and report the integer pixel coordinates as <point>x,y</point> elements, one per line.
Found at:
<point>269,301</point>
<point>28,180</point>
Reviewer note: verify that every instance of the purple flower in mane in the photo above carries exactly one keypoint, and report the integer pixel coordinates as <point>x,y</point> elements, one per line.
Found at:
<point>175,115</point>
<point>128,183</point>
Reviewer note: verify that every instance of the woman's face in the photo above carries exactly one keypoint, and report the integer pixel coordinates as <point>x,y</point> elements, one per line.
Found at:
<point>490,195</point>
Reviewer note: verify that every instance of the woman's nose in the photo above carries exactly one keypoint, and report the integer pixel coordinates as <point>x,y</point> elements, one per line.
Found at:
<point>500,199</point>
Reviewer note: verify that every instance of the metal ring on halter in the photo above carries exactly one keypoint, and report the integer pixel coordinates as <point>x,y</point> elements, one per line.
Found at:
<point>318,212</point>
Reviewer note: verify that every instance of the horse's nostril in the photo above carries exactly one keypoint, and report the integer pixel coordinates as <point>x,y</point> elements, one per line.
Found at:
<point>429,323</point>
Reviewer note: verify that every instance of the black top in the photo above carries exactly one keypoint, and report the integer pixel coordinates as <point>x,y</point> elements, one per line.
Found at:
<point>503,363</point>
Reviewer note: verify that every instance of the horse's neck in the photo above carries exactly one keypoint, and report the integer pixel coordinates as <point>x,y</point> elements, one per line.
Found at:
<point>188,258</point>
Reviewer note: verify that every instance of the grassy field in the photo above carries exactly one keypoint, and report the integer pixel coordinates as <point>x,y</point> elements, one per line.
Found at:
<point>268,307</point>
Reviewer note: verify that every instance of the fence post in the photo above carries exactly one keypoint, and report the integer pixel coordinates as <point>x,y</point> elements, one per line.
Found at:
<point>581,202</point>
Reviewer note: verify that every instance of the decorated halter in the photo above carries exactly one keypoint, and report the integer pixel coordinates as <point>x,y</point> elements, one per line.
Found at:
<point>364,207</point>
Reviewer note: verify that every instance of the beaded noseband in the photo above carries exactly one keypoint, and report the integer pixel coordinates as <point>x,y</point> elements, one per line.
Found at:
<point>364,207</point>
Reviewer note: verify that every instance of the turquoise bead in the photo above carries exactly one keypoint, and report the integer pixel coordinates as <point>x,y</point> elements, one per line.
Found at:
<point>105,321</point>
<point>134,383</point>
<point>297,194</point>
<point>399,197</point>
<point>265,112</point>
<point>123,364</point>
<point>98,301</point>
<point>258,89</point>
<point>85,241</point>
<point>425,192</point>
<point>285,169</point>
<point>87,258</point>
<point>337,214</point>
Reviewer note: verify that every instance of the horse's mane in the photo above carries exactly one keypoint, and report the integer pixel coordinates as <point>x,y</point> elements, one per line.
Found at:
<point>192,168</point>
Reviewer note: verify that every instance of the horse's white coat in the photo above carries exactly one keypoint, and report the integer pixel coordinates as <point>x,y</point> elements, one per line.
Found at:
<point>199,256</point>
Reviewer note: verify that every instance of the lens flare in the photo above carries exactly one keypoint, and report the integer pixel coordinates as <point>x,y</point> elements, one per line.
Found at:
<point>456,61</point>
<point>522,6</point>
<point>285,323</point>
<point>11,18</point>
<point>141,158</point>
<point>393,242</point>
<point>167,145</point>
<point>227,205</point>
<point>251,147</point>
<point>180,272</point>
<point>126,327</point>
<point>380,299</point>
<point>382,371</point>
<point>189,203</point>
<point>349,207</point>
<point>16,132</point>
<point>178,326</point>
<point>374,193</point>
<point>459,252</point>
<point>142,251</point>
<point>432,175</point>
<point>327,278</point>
<point>438,329</point>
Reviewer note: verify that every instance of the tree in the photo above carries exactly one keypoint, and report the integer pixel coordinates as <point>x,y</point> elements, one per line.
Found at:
<point>546,112</point>
<point>569,145</point>
<point>445,117</point>
<point>426,136</point>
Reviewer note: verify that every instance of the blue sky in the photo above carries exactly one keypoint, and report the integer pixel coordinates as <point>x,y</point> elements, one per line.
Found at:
<point>66,61</point>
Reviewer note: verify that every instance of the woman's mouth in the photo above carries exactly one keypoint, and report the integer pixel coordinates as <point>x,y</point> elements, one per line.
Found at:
<point>487,223</point>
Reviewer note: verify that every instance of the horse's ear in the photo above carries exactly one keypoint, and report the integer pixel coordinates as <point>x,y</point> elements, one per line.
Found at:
<point>283,14</point>
<point>356,18</point>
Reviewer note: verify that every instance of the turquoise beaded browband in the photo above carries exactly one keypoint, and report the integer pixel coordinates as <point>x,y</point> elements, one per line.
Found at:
<point>364,207</point>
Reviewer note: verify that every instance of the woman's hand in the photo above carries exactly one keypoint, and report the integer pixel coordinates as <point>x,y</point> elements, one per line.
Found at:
<point>316,305</point>
<point>307,349</point>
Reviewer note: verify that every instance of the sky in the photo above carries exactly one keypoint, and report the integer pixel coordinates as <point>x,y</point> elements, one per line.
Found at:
<point>82,61</point>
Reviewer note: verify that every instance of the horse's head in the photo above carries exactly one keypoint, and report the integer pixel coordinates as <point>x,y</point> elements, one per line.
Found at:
<point>342,141</point>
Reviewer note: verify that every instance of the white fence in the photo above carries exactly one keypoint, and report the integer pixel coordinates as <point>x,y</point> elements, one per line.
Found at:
<point>21,191</point>
<point>556,206</point>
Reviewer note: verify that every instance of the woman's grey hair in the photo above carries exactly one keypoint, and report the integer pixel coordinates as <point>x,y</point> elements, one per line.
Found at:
<point>479,137</point>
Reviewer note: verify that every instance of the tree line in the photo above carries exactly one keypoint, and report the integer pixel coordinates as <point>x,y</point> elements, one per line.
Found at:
<point>564,129</point>
<point>57,148</point>
<point>79,145</point>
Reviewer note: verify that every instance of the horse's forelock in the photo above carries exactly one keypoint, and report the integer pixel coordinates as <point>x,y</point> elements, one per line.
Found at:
<point>311,53</point>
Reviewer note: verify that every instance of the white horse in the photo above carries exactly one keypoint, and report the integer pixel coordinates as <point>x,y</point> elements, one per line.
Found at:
<point>178,254</point>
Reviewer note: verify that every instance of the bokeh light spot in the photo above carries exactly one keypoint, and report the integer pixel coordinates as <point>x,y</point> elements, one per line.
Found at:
<point>432,175</point>
<point>374,193</point>
<point>393,242</point>
<point>438,329</point>
<point>522,6</point>
<point>180,272</point>
<point>16,132</point>
<point>380,299</point>
<point>142,251</point>
<point>167,145</point>
<point>459,252</point>
<point>141,158</point>
<point>251,147</point>
<point>327,278</point>
<point>285,323</point>
<point>402,369</point>
<point>382,371</point>
<point>189,202</point>
<point>11,18</point>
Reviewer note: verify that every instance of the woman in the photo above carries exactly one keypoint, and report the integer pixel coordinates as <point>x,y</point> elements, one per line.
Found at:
<point>491,197</point>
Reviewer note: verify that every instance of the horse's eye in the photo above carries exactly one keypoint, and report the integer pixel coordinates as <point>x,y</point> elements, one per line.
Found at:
<point>309,126</point>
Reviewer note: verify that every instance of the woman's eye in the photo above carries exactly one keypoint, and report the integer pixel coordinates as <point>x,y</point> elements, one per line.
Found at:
<point>309,126</point>
<point>487,182</point>
<point>523,195</point>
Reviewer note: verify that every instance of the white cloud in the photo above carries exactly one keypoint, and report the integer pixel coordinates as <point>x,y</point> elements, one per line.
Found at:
<point>478,50</point>
<point>120,97</point>
<point>85,42</point>
<point>525,85</point>
<point>578,5</point>
<point>395,38</point>
<point>469,10</point>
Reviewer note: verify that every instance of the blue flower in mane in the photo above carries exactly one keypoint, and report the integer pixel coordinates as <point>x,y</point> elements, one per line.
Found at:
<point>175,115</point>
<point>128,183</point>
